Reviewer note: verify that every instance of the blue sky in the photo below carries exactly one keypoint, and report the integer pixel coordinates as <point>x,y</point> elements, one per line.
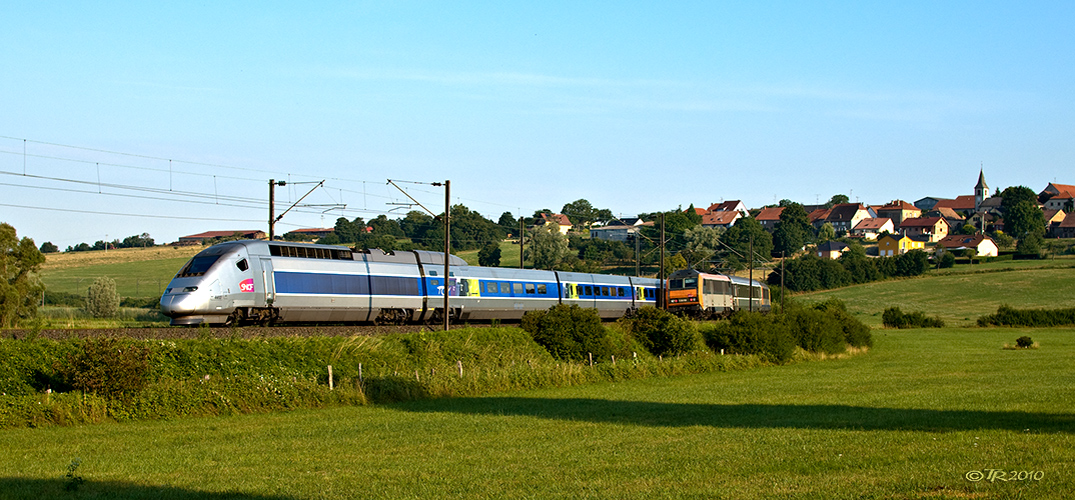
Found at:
<point>636,107</point>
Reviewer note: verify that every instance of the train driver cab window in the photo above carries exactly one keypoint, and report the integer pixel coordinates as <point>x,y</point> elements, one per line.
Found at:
<point>675,284</point>
<point>243,265</point>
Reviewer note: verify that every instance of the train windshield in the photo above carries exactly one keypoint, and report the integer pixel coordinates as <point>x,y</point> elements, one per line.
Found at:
<point>197,266</point>
<point>683,283</point>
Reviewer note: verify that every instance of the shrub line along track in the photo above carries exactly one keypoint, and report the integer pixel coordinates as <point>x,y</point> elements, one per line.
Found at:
<point>245,332</point>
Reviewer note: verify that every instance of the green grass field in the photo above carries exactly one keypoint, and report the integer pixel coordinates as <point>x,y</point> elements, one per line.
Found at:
<point>962,294</point>
<point>909,419</point>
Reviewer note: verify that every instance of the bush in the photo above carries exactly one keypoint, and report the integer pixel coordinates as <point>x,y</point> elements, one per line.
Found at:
<point>893,317</point>
<point>1025,342</point>
<point>816,331</point>
<point>568,332</point>
<point>101,299</point>
<point>1009,316</point>
<point>947,260</point>
<point>141,302</point>
<point>106,367</point>
<point>663,333</point>
<point>745,332</point>
<point>64,299</point>
<point>856,333</point>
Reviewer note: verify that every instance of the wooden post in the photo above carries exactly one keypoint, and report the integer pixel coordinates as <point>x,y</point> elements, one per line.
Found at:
<point>613,360</point>
<point>460,365</point>
<point>360,372</point>
<point>591,358</point>
<point>330,385</point>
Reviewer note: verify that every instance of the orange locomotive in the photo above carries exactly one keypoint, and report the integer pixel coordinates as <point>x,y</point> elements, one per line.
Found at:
<point>703,295</point>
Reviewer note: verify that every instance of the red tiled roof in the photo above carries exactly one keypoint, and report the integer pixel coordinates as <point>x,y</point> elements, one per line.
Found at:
<point>219,234</point>
<point>560,219</point>
<point>873,223</point>
<point>819,214</point>
<point>898,205</point>
<point>770,213</point>
<point>720,218</point>
<point>1069,221</point>
<point>965,202</point>
<point>921,222</point>
<point>962,240</point>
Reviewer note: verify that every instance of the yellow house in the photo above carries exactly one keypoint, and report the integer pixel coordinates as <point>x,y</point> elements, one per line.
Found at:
<point>891,245</point>
<point>558,221</point>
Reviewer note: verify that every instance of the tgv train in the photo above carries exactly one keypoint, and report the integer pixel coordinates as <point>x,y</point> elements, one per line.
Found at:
<point>703,295</point>
<point>264,282</point>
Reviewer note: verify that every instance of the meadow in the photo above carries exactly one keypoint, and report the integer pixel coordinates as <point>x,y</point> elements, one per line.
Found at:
<point>925,414</point>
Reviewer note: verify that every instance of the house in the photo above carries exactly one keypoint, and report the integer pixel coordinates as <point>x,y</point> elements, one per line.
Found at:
<point>1066,229</point>
<point>934,228</point>
<point>559,221</point>
<point>730,206</point>
<point>769,216</point>
<point>724,219</point>
<point>1064,200</point>
<point>954,219</point>
<point>1053,218</point>
<point>983,245</point>
<point>927,203</point>
<point>845,216</point>
<point>199,238</point>
<point>617,230</point>
<point>869,229</point>
<point>965,204</point>
<point>891,245</point>
<point>831,250</point>
<point>1053,190</point>
<point>897,211</point>
<point>817,216</point>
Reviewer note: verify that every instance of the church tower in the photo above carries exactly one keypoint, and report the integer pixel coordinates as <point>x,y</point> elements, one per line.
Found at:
<point>981,191</point>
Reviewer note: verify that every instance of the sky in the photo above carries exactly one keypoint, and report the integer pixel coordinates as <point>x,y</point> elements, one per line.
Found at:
<point>123,118</point>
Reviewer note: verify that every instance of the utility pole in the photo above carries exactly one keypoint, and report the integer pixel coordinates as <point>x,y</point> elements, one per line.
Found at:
<point>447,246</point>
<point>781,282</point>
<point>522,227</point>
<point>751,259</point>
<point>661,300</point>
<point>272,204</point>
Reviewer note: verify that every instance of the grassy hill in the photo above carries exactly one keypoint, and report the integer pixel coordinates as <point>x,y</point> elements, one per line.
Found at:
<point>960,295</point>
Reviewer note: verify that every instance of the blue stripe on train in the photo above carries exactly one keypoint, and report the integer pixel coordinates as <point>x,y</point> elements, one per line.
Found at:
<point>345,284</point>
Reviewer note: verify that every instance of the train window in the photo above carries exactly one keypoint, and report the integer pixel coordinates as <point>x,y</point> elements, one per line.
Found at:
<point>604,291</point>
<point>197,266</point>
<point>589,291</point>
<point>504,287</point>
<point>243,265</point>
<point>621,292</point>
<point>517,288</point>
<point>530,289</point>
<point>675,284</point>
<point>542,290</point>
<point>434,283</point>
<point>490,287</point>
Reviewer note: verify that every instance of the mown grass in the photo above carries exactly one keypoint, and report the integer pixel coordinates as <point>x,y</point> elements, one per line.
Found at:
<point>961,295</point>
<point>909,419</point>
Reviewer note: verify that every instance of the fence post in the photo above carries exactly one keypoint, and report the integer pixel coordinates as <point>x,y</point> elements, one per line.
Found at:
<point>330,385</point>
<point>459,363</point>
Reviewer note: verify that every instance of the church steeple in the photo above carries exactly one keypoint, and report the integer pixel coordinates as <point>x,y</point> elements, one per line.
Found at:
<point>981,190</point>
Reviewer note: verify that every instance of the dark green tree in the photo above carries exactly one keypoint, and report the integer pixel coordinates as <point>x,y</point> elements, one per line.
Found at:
<point>49,247</point>
<point>489,255</point>
<point>737,241</point>
<point>792,230</point>
<point>547,248</point>
<point>20,288</point>
<point>837,199</point>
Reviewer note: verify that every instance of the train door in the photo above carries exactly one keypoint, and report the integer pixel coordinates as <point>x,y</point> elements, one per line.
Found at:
<point>268,282</point>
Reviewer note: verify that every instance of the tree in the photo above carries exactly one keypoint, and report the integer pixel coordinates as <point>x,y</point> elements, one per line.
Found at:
<point>792,230</point>
<point>20,288</point>
<point>102,301</point>
<point>383,225</point>
<point>507,223</point>
<point>1024,220</point>
<point>738,241</point>
<point>49,247</point>
<point>137,241</point>
<point>489,255</point>
<point>702,243</point>
<point>826,233</point>
<point>837,199</point>
<point>547,247</point>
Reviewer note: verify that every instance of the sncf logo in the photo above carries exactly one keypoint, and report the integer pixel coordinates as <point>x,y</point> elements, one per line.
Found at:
<point>246,285</point>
